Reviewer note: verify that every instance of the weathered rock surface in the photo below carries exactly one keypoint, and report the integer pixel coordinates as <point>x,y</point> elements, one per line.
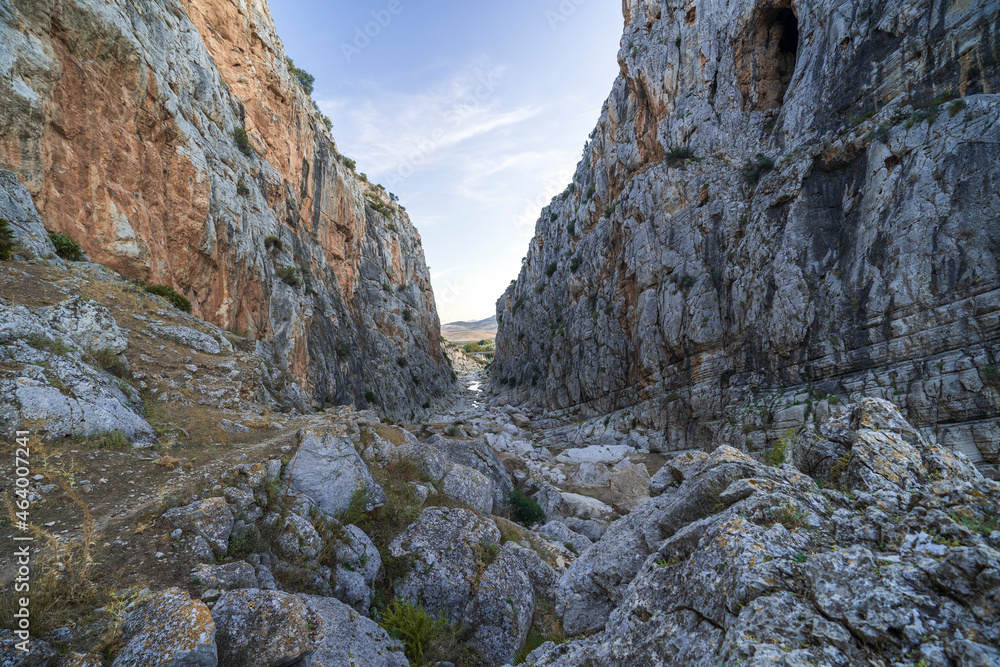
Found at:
<point>226,577</point>
<point>328,470</point>
<point>168,629</point>
<point>742,562</point>
<point>763,218</point>
<point>47,380</point>
<point>211,519</point>
<point>39,653</point>
<point>449,545</point>
<point>344,637</point>
<point>470,487</point>
<point>119,119</point>
<point>500,613</point>
<point>257,628</point>
<point>19,211</point>
<point>358,565</point>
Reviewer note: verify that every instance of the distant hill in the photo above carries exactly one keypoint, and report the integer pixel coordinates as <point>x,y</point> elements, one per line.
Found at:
<point>466,332</point>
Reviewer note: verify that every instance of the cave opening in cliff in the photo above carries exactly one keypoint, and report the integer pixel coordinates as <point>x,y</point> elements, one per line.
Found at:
<point>767,57</point>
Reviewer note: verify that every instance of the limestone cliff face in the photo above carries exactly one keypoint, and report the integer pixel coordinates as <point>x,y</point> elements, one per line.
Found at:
<point>119,118</point>
<point>783,200</point>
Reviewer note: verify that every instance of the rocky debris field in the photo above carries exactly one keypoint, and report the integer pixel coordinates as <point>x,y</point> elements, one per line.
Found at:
<point>490,535</point>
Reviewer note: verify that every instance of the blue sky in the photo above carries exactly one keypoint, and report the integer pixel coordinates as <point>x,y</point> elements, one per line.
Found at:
<point>475,114</point>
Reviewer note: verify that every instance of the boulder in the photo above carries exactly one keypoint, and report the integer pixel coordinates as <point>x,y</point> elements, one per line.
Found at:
<point>168,629</point>
<point>591,474</point>
<point>358,564</point>
<point>39,653</point>
<point>470,487</point>
<point>592,530</point>
<point>258,628</point>
<point>192,338</point>
<point>89,325</point>
<point>299,539</point>
<point>450,546</point>
<point>629,486</point>
<point>210,519</point>
<point>341,636</point>
<point>557,531</point>
<point>500,614</point>
<point>609,454</point>
<point>329,471</point>
<point>479,456</point>
<point>226,577</point>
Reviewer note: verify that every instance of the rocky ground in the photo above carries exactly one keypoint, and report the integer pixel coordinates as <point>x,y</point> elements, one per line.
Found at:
<point>489,534</point>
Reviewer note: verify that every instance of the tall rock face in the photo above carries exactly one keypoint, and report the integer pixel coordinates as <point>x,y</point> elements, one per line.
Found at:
<point>120,117</point>
<point>783,201</point>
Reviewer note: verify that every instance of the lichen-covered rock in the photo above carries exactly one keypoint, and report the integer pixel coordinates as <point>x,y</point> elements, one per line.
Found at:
<point>210,519</point>
<point>47,382</point>
<point>753,564</point>
<point>192,338</point>
<point>450,546</point>
<point>299,539</point>
<point>479,456</point>
<point>755,225</point>
<point>39,653</point>
<point>328,470</point>
<point>88,324</point>
<point>225,577</point>
<point>470,487</point>
<point>358,564</point>
<point>168,629</point>
<point>257,628</point>
<point>342,636</point>
<point>500,614</point>
<point>557,531</point>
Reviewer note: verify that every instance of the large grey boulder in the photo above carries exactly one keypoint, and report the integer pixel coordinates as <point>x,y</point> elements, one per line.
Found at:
<point>17,208</point>
<point>470,487</point>
<point>210,519</point>
<point>39,653</point>
<point>329,471</point>
<point>479,456</point>
<point>500,614</point>
<point>341,636</point>
<point>258,628</point>
<point>89,325</point>
<point>449,545</point>
<point>358,564</point>
<point>168,629</point>
<point>557,531</point>
<point>47,382</point>
<point>225,577</point>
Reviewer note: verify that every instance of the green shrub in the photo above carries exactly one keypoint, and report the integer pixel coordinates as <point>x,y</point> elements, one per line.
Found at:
<point>176,300</point>
<point>242,140</point>
<point>776,456</point>
<point>348,162</point>
<point>371,397</point>
<point>991,377</point>
<point>451,431</point>
<point>327,122</point>
<point>413,626</point>
<point>571,227</point>
<point>7,242</point>
<point>272,242</point>
<point>66,247</point>
<point>956,107</point>
<point>111,440</point>
<point>679,155</point>
<point>525,510</point>
<point>40,342</point>
<point>289,275</point>
<point>551,268</point>
<point>305,79</point>
<point>407,315</point>
<point>109,361</point>
<point>575,264</point>
<point>757,167</point>
<point>402,362</point>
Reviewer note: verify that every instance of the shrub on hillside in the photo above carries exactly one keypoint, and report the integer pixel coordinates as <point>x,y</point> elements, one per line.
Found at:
<point>525,510</point>
<point>305,79</point>
<point>178,301</point>
<point>242,140</point>
<point>7,243</point>
<point>757,167</point>
<point>66,247</point>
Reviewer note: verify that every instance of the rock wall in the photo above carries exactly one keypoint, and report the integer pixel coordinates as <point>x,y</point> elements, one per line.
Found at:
<point>783,203</point>
<point>119,118</point>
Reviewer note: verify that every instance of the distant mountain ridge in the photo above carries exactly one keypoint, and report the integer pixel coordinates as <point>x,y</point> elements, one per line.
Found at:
<point>473,330</point>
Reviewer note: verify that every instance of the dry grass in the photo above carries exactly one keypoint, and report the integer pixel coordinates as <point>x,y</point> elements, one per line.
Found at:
<point>168,462</point>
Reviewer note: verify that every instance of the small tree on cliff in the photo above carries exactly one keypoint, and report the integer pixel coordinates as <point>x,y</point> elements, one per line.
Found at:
<point>305,79</point>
